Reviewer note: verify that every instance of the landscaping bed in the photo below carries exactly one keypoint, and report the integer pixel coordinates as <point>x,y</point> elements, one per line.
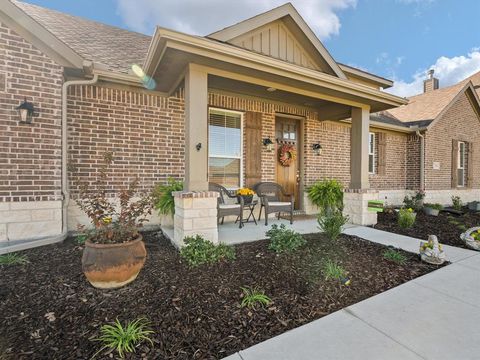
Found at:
<point>49,310</point>
<point>446,226</point>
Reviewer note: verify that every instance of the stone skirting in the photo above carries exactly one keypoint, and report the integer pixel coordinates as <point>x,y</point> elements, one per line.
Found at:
<point>195,214</point>
<point>30,220</point>
<point>355,206</point>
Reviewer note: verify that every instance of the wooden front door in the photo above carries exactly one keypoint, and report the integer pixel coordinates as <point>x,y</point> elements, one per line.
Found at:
<point>287,133</point>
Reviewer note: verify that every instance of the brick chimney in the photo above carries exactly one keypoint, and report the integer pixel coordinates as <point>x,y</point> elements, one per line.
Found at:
<point>431,83</point>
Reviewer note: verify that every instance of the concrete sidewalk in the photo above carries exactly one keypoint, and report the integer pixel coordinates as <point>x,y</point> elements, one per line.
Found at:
<point>436,316</point>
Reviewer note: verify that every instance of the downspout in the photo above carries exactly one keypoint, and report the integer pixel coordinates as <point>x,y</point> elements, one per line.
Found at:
<point>422,160</point>
<point>65,189</point>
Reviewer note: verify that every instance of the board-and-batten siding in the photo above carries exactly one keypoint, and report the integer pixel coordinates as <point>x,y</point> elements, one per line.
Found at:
<point>277,41</point>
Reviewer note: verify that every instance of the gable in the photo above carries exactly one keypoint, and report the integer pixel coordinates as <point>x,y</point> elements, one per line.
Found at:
<point>278,41</point>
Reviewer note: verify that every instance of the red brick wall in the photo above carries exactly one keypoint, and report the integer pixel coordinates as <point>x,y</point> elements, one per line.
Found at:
<point>459,122</point>
<point>30,155</point>
<point>144,131</point>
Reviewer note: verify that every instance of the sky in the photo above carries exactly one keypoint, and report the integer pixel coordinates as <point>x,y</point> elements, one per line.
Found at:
<point>397,39</point>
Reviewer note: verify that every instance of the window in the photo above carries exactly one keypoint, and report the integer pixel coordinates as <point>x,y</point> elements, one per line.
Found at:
<point>225,148</point>
<point>461,164</point>
<point>371,153</point>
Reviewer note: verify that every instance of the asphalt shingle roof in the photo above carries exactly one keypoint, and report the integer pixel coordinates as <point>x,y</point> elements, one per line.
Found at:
<point>113,47</point>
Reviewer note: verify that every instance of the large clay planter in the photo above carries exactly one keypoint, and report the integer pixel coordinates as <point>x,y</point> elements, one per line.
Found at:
<point>110,266</point>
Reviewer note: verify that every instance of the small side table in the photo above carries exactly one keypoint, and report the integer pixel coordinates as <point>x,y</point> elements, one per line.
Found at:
<point>249,207</point>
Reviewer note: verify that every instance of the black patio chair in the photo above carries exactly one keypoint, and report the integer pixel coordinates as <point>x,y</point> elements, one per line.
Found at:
<point>224,209</point>
<point>270,195</point>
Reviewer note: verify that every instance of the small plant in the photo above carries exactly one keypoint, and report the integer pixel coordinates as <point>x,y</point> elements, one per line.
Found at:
<point>415,201</point>
<point>163,199</point>
<point>406,218</point>
<point>124,339</point>
<point>332,224</point>
<point>395,256</point>
<point>284,240</point>
<point>327,195</point>
<point>457,203</point>
<point>13,259</point>
<point>198,251</point>
<point>434,206</point>
<point>254,296</point>
<point>332,270</point>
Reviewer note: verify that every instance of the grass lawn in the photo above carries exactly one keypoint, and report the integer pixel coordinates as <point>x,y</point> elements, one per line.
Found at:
<point>49,311</point>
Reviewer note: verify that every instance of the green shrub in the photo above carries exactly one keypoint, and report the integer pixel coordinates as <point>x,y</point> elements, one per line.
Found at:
<point>254,296</point>
<point>284,240</point>
<point>124,339</point>
<point>163,199</point>
<point>395,256</point>
<point>13,259</point>
<point>433,206</point>
<point>198,251</point>
<point>332,224</point>
<point>406,218</point>
<point>327,195</point>
<point>332,270</point>
<point>415,201</point>
<point>457,202</point>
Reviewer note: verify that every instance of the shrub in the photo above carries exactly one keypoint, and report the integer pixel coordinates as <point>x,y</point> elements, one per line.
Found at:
<point>163,199</point>
<point>434,206</point>
<point>415,201</point>
<point>395,256</point>
<point>406,218</point>
<point>332,270</point>
<point>327,195</point>
<point>332,224</point>
<point>13,259</point>
<point>198,251</point>
<point>112,225</point>
<point>284,240</point>
<point>254,296</point>
<point>124,339</point>
<point>457,202</point>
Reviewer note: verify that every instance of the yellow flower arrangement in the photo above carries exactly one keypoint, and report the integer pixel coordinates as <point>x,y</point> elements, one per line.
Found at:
<point>410,210</point>
<point>107,220</point>
<point>245,192</point>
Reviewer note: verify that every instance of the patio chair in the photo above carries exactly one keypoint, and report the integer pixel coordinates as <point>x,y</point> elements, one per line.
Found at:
<point>224,209</point>
<point>270,195</point>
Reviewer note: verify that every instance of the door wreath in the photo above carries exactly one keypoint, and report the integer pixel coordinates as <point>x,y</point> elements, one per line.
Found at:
<point>287,154</point>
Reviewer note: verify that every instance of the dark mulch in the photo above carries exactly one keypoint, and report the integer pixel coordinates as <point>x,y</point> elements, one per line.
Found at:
<point>446,226</point>
<point>195,313</point>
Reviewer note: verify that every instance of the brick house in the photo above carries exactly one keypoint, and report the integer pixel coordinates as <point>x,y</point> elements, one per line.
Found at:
<point>202,109</point>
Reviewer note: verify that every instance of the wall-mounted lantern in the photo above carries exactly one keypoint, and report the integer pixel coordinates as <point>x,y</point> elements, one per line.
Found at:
<point>26,110</point>
<point>317,149</point>
<point>268,143</point>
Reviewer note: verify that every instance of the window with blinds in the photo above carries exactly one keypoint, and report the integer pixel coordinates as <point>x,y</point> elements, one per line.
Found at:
<point>371,153</point>
<point>225,148</point>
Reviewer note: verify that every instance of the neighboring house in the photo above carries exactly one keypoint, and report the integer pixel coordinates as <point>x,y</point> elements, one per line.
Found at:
<point>203,109</point>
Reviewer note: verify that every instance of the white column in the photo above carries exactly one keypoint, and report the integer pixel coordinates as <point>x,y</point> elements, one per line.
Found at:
<point>196,129</point>
<point>359,148</point>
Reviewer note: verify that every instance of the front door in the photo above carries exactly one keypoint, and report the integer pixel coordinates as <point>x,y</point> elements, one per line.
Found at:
<point>288,171</point>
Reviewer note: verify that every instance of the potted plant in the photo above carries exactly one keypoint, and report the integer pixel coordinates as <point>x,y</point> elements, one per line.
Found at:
<point>471,237</point>
<point>164,201</point>
<point>246,194</point>
<point>432,209</point>
<point>474,205</point>
<point>114,251</point>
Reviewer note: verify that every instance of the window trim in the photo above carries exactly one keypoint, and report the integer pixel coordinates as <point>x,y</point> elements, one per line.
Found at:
<point>370,136</point>
<point>241,113</point>
<point>460,160</point>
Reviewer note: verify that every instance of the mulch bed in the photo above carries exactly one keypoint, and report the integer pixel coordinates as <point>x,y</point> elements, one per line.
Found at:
<point>446,226</point>
<point>195,312</point>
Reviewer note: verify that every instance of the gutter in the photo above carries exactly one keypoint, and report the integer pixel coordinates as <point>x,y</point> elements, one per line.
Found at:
<point>422,160</point>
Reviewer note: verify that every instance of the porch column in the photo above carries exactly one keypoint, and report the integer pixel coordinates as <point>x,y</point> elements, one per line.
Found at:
<point>359,148</point>
<point>357,197</point>
<point>196,129</point>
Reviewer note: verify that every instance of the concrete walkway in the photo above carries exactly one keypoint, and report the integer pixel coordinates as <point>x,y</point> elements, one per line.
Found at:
<point>436,316</point>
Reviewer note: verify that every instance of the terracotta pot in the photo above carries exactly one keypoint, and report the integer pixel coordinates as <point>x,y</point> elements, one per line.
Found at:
<point>110,266</point>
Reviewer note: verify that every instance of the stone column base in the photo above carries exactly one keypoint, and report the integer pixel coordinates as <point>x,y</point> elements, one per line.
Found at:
<point>355,206</point>
<point>195,214</point>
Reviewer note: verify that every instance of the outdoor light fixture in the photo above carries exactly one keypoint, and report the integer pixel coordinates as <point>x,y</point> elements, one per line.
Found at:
<point>268,143</point>
<point>317,149</point>
<point>26,111</point>
<point>198,146</point>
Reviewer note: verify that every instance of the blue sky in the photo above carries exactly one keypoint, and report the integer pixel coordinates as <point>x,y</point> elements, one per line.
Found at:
<point>398,39</point>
